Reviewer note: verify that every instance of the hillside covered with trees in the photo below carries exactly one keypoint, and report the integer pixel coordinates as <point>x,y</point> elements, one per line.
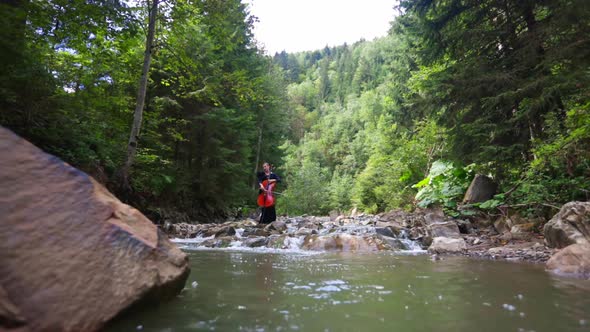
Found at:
<point>456,88</point>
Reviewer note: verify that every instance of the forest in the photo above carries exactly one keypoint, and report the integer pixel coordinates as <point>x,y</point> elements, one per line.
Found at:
<point>173,106</point>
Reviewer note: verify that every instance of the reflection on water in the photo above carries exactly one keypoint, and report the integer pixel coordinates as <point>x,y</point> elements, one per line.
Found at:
<point>249,291</point>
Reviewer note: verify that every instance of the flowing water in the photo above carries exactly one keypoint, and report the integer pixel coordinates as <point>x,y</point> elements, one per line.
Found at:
<point>273,290</point>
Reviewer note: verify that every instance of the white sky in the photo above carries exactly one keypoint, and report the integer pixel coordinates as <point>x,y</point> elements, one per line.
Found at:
<point>307,25</point>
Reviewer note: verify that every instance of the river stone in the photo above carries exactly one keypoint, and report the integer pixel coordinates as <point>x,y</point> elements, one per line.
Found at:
<point>572,260</point>
<point>393,243</point>
<point>570,225</point>
<point>256,241</point>
<point>385,231</point>
<point>341,242</point>
<point>225,231</point>
<point>278,225</point>
<point>305,231</point>
<point>442,245</point>
<point>73,256</point>
<point>436,216</point>
<point>443,229</point>
<point>481,189</point>
<point>276,241</point>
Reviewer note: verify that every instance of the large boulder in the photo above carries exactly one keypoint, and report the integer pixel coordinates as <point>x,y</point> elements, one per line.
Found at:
<point>443,229</point>
<point>344,243</point>
<point>481,189</point>
<point>570,225</point>
<point>444,245</point>
<point>72,256</point>
<point>573,260</point>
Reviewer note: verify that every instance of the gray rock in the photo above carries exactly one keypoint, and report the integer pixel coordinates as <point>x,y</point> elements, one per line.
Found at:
<point>481,189</point>
<point>278,225</point>
<point>570,225</point>
<point>256,241</point>
<point>225,231</point>
<point>573,260</point>
<point>305,231</point>
<point>385,231</point>
<point>443,229</point>
<point>72,256</point>
<point>465,226</point>
<point>442,245</point>
<point>434,217</point>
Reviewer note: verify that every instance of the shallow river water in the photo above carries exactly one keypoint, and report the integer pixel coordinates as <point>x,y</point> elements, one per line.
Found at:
<point>231,290</point>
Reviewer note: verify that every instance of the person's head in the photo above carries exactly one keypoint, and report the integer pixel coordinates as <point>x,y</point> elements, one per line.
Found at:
<point>266,167</point>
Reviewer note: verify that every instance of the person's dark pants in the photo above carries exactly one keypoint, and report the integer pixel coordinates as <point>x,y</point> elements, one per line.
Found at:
<point>268,215</point>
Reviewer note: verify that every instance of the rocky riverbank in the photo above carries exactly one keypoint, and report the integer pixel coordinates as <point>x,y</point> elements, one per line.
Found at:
<point>508,238</point>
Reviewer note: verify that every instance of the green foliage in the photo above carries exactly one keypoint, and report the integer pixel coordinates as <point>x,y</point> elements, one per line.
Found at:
<point>307,190</point>
<point>445,185</point>
<point>503,85</point>
<point>493,203</point>
<point>559,173</point>
<point>68,84</point>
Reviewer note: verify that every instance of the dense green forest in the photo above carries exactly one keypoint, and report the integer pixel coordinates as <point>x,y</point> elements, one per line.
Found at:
<point>457,87</point>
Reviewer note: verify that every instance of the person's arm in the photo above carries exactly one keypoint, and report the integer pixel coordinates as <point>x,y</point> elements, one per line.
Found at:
<point>275,178</point>
<point>260,177</point>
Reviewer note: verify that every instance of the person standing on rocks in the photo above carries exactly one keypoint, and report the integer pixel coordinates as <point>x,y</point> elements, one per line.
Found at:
<point>266,181</point>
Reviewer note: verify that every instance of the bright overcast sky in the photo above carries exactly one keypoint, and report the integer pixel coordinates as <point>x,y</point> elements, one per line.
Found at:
<point>307,25</point>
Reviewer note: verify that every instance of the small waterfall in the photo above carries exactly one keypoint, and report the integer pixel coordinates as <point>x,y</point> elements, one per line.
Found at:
<point>299,234</point>
<point>410,244</point>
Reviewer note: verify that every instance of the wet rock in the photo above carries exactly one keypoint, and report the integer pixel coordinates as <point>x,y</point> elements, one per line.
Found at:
<point>278,241</point>
<point>443,229</point>
<point>465,226</point>
<point>573,260</point>
<point>393,243</point>
<point>224,241</point>
<point>246,223</point>
<point>256,241</point>
<point>385,231</point>
<point>443,245</point>
<point>277,225</point>
<point>395,218</point>
<point>72,255</point>
<point>524,251</point>
<point>481,189</point>
<point>570,225</point>
<point>255,232</point>
<point>417,233</point>
<point>436,216</point>
<point>225,231</point>
<point>305,231</point>
<point>339,242</point>
<point>220,242</point>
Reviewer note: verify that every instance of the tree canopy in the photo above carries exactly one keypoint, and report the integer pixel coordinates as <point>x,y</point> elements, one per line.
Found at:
<point>455,88</point>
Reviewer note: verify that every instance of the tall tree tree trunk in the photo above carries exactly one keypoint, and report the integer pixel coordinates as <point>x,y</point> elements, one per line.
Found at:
<point>138,114</point>
<point>258,153</point>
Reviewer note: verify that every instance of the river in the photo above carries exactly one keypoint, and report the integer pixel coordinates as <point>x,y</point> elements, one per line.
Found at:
<point>285,290</point>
